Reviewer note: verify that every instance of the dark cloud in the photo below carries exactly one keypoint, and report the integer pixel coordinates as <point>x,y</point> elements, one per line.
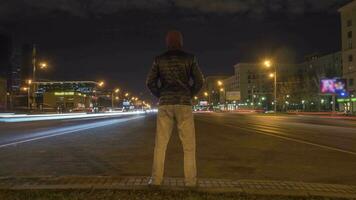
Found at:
<point>14,9</point>
<point>261,6</point>
<point>116,40</point>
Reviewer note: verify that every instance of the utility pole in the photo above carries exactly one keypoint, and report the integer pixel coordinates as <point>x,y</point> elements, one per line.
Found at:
<point>269,64</point>
<point>112,100</point>
<point>34,53</point>
<point>275,90</point>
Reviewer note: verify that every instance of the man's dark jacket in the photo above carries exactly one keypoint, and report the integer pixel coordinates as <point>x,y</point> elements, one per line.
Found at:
<point>175,78</point>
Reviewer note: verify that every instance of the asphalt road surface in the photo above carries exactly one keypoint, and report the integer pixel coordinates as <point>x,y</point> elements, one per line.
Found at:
<point>229,145</point>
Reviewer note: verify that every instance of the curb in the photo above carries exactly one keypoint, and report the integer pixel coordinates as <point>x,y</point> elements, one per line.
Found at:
<point>251,187</point>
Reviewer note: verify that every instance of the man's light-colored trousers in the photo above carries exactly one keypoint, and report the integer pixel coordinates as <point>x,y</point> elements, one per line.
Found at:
<point>168,115</point>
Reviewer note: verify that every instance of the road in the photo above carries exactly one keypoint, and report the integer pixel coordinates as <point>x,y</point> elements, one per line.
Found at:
<point>229,145</point>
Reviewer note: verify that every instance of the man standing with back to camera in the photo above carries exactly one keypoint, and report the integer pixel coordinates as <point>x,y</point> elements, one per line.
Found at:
<point>175,78</point>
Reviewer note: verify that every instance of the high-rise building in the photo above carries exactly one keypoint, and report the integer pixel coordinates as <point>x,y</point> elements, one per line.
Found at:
<point>3,94</point>
<point>348,31</point>
<point>16,71</point>
<point>26,63</point>
<point>5,68</point>
<point>348,38</point>
<point>5,56</point>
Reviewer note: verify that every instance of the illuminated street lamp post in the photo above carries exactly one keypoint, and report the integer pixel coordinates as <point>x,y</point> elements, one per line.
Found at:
<point>112,97</point>
<point>222,90</point>
<point>42,65</point>
<point>27,89</point>
<point>101,84</point>
<point>206,94</point>
<point>268,64</point>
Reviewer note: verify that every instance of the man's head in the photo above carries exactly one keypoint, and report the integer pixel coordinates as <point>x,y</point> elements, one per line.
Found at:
<point>174,40</point>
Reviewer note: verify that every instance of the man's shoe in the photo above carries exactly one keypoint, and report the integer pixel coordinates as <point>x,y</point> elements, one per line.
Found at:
<point>154,184</point>
<point>191,184</point>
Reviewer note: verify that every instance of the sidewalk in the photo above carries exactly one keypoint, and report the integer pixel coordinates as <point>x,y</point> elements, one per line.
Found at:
<point>249,187</point>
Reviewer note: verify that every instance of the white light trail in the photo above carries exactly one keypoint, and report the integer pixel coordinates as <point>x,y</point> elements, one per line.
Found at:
<point>42,117</point>
<point>66,130</point>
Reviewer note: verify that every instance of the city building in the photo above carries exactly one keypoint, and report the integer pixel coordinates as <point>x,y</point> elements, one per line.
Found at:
<point>315,68</point>
<point>16,71</point>
<point>298,85</point>
<point>348,40</point>
<point>323,66</point>
<point>212,90</point>
<point>3,94</point>
<point>231,93</point>
<point>256,85</point>
<point>5,68</point>
<point>26,66</point>
<point>64,96</point>
<point>231,83</point>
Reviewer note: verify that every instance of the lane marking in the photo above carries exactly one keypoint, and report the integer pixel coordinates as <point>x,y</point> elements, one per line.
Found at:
<point>70,129</point>
<point>257,131</point>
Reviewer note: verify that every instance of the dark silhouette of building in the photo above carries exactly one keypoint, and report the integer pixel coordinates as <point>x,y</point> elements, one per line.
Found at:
<point>5,56</point>
<point>5,68</point>
<point>26,63</point>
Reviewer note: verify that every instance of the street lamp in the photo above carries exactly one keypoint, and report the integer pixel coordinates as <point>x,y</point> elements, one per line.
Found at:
<point>43,65</point>
<point>268,64</point>
<point>101,84</point>
<point>27,89</point>
<point>117,90</point>
<point>206,94</point>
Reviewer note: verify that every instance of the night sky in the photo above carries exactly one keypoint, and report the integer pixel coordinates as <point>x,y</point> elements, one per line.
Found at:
<point>116,40</point>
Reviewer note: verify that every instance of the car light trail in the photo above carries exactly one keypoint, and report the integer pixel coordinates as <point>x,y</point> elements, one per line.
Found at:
<point>29,118</point>
<point>66,130</point>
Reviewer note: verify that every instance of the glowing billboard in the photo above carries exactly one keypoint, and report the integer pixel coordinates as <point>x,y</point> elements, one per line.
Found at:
<point>203,103</point>
<point>333,86</point>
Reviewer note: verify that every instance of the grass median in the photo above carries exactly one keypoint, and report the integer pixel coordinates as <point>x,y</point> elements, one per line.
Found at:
<point>138,195</point>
